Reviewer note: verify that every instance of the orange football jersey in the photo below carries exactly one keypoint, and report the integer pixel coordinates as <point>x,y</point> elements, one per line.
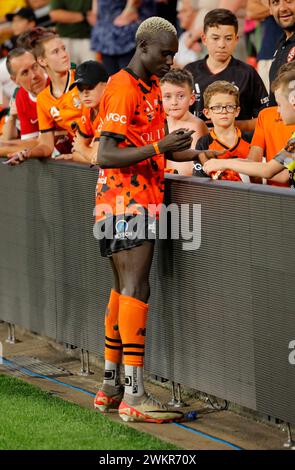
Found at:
<point>89,125</point>
<point>133,114</point>
<point>59,113</point>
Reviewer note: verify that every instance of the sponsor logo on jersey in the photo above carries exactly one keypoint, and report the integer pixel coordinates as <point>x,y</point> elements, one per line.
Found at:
<point>54,112</point>
<point>115,117</point>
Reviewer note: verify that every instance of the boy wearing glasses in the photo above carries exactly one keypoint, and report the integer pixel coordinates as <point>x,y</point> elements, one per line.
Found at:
<point>284,90</point>
<point>222,107</point>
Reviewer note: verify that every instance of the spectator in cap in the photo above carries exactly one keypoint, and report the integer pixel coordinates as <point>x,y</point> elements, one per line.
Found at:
<point>90,78</point>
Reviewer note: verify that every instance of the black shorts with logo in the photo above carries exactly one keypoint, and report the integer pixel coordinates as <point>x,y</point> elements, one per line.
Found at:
<point>123,232</point>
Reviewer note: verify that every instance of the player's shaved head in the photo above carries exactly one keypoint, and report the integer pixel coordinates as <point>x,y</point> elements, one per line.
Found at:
<point>152,27</point>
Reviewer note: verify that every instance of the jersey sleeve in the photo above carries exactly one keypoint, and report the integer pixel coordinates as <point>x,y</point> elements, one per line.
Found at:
<point>46,122</point>
<point>258,139</point>
<point>119,109</point>
<point>204,142</point>
<point>84,127</point>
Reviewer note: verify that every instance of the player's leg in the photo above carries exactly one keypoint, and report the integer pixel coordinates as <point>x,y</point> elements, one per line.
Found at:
<point>133,267</point>
<point>111,392</point>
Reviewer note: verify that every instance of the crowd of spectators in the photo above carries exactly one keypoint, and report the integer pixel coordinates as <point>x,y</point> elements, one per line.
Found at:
<point>224,45</point>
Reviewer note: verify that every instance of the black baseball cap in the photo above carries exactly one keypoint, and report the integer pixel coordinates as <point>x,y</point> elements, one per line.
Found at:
<point>27,13</point>
<point>90,73</point>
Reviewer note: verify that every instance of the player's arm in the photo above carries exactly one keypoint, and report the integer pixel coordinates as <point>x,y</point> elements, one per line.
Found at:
<point>264,170</point>
<point>192,154</point>
<point>111,156</point>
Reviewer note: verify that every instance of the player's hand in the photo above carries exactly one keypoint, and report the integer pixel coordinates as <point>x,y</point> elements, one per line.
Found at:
<point>17,157</point>
<point>176,141</point>
<point>214,165</point>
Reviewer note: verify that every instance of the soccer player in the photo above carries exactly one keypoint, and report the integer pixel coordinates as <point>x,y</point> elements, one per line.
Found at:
<point>283,88</point>
<point>130,186</point>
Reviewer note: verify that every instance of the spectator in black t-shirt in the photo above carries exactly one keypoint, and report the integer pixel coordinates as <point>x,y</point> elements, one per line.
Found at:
<point>284,14</point>
<point>220,36</point>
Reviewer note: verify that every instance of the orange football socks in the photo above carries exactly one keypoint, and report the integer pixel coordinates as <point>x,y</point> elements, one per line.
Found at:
<point>132,327</point>
<point>113,343</point>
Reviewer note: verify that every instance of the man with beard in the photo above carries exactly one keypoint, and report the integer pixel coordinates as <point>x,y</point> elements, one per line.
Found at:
<point>283,12</point>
